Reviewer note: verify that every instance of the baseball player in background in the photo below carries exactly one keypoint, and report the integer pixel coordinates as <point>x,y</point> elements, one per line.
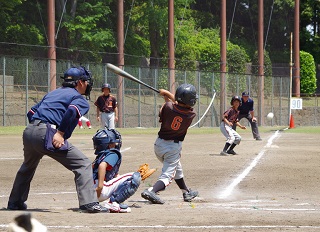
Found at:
<point>230,118</point>
<point>107,109</point>
<point>86,120</point>
<point>176,116</point>
<point>246,110</point>
<point>51,123</point>
<point>113,189</point>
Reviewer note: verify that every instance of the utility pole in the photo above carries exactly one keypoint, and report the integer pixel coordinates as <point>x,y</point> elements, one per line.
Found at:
<point>223,56</point>
<point>171,65</point>
<point>52,45</point>
<point>296,44</point>
<point>120,62</point>
<point>261,64</point>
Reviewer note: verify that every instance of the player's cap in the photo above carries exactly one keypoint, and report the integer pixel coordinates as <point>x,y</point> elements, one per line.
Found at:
<point>245,93</point>
<point>106,85</point>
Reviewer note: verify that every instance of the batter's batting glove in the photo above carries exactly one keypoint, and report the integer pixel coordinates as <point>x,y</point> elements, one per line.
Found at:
<point>145,171</point>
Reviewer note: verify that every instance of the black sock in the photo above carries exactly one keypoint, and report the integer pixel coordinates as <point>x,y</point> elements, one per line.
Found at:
<point>226,146</point>
<point>232,146</point>
<point>158,186</point>
<point>182,185</point>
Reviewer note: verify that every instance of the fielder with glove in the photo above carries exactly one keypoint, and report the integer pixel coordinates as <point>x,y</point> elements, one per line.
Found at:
<point>113,189</point>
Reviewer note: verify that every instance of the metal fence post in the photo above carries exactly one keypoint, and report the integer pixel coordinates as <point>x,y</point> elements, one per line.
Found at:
<point>139,98</point>
<point>27,88</point>
<point>199,96</point>
<point>4,92</point>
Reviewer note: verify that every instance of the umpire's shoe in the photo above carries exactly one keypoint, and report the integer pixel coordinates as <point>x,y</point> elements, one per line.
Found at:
<point>151,196</point>
<point>17,206</point>
<point>94,207</point>
<point>188,196</point>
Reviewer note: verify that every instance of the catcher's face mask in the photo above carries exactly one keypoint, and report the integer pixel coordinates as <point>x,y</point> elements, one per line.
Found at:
<point>105,139</point>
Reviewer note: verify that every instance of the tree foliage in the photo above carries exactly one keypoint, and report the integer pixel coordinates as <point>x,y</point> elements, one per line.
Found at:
<point>308,81</point>
<point>87,31</point>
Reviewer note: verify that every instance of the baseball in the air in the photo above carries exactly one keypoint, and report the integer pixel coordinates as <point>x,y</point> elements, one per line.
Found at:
<point>270,116</point>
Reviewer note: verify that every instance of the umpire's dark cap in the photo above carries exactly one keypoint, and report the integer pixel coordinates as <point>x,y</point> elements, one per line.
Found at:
<point>245,93</point>
<point>76,73</point>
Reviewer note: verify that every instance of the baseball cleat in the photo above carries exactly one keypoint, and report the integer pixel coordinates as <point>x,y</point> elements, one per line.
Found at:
<point>258,139</point>
<point>224,153</point>
<point>190,195</point>
<point>94,208</point>
<point>231,152</point>
<point>17,206</point>
<point>151,196</point>
<point>114,207</point>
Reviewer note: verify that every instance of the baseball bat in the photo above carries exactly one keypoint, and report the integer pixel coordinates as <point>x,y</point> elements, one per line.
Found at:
<point>123,73</point>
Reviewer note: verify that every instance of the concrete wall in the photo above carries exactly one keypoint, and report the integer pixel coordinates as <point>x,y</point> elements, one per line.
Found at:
<point>8,83</point>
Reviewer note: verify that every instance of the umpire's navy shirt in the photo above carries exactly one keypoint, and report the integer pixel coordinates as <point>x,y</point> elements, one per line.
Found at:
<point>246,107</point>
<point>53,106</point>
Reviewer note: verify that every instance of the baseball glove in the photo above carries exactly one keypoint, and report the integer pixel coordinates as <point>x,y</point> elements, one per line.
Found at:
<point>145,171</point>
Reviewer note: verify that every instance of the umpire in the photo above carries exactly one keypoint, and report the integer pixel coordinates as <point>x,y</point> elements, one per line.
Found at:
<point>51,123</point>
<point>247,111</point>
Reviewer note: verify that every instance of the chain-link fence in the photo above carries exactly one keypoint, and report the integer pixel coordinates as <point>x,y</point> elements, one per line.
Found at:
<point>24,81</point>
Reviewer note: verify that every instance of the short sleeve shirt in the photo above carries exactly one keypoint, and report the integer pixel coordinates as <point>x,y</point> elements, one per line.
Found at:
<point>231,115</point>
<point>175,121</point>
<point>246,107</point>
<point>111,159</point>
<point>106,104</point>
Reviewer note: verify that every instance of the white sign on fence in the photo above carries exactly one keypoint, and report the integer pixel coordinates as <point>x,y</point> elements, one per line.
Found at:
<point>296,103</point>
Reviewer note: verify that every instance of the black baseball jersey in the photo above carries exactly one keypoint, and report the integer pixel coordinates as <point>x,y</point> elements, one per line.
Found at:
<point>175,121</point>
<point>106,104</point>
<point>231,115</point>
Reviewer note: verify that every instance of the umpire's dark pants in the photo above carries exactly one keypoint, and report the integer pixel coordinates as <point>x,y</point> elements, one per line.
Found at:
<point>73,159</point>
<point>254,125</point>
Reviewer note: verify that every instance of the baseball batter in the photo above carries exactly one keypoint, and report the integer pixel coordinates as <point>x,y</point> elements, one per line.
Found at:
<point>176,116</point>
<point>230,118</point>
<point>107,109</point>
<point>51,123</point>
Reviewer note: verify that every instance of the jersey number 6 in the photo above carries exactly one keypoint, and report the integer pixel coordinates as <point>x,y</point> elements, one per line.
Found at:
<point>176,123</point>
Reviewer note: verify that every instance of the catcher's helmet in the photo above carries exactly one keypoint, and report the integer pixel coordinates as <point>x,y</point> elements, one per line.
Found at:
<point>104,137</point>
<point>236,98</point>
<point>106,85</point>
<point>186,93</point>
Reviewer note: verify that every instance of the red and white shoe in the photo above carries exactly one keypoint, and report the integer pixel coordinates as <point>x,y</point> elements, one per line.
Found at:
<point>114,207</point>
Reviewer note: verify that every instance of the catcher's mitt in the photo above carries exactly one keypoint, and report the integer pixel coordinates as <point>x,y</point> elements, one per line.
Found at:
<point>145,171</point>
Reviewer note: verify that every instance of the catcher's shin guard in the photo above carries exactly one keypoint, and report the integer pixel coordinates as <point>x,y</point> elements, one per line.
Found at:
<point>127,188</point>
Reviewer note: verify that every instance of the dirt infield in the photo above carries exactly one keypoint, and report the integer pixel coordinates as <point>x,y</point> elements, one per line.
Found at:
<point>272,185</point>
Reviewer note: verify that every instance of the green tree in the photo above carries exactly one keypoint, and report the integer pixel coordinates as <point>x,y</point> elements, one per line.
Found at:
<point>85,27</point>
<point>307,73</point>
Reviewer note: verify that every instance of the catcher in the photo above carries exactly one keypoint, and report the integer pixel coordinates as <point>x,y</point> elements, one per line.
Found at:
<point>113,189</point>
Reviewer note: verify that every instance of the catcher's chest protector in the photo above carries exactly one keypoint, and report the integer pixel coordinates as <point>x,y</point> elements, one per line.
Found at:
<point>110,174</point>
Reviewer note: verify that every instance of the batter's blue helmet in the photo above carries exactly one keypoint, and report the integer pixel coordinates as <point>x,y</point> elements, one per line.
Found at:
<point>187,94</point>
<point>104,137</point>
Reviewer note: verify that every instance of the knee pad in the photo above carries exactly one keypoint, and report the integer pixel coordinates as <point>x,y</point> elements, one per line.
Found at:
<point>127,188</point>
